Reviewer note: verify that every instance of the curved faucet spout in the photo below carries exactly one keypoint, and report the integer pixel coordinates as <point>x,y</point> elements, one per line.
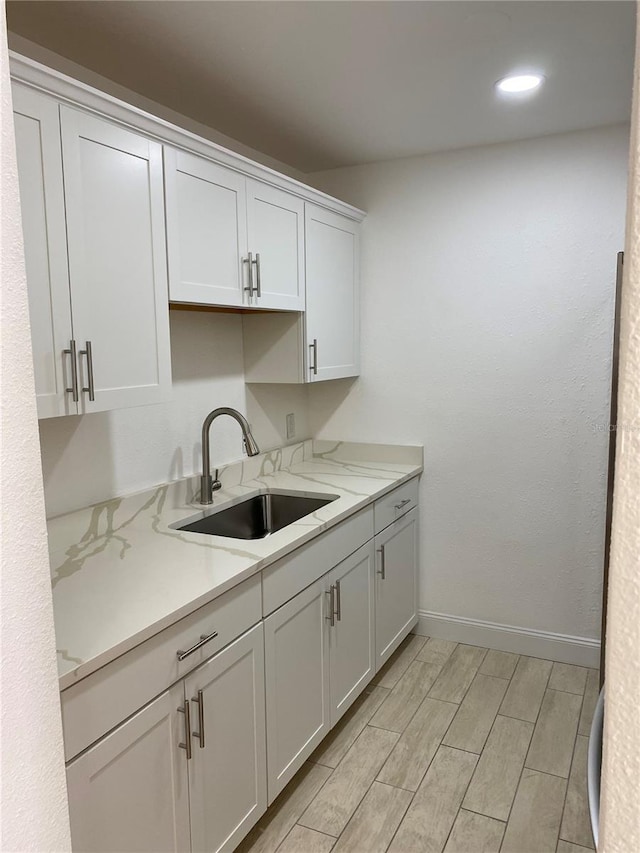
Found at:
<point>207,484</point>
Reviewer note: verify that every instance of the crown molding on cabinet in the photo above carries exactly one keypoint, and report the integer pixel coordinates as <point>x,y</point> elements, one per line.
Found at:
<point>65,88</point>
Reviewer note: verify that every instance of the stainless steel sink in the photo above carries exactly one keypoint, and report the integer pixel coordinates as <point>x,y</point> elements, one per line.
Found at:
<point>256,516</point>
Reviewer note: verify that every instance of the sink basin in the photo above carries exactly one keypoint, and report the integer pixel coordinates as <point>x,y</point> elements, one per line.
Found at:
<point>257,516</point>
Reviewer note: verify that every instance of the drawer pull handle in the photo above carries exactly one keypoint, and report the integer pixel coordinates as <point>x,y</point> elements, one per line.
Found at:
<point>338,602</point>
<point>186,710</point>
<point>403,503</point>
<point>382,572</point>
<point>258,288</point>
<point>314,366</point>
<point>249,260</point>
<point>89,387</point>
<point>331,618</point>
<point>199,700</point>
<point>74,370</point>
<point>204,638</point>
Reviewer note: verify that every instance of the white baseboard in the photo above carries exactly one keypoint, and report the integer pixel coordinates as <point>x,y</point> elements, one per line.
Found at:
<point>581,651</point>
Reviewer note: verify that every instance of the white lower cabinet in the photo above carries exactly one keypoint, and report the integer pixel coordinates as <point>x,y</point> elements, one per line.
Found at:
<point>319,655</point>
<point>297,682</point>
<point>351,638</point>
<point>228,766</point>
<point>130,791</point>
<point>396,584</point>
<point>196,767</point>
<point>166,780</point>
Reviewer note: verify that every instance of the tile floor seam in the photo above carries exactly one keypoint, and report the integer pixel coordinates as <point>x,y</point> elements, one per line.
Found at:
<point>386,784</point>
<point>426,696</point>
<point>572,752</point>
<point>570,692</point>
<point>363,796</point>
<point>466,788</point>
<point>460,706</point>
<point>457,705</point>
<point>573,756</point>
<point>482,814</point>
<point>334,837</point>
<point>525,757</point>
<point>392,839</point>
<point>429,696</point>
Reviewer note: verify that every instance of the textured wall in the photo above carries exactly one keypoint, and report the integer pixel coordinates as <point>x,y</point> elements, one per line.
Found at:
<point>487,300</point>
<point>620,796</point>
<point>33,799</point>
<point>90,458</point>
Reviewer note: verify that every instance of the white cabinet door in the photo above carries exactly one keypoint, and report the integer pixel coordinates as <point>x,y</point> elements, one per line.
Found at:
<point>228,770</point>
<point>351,638</point>
<point>206,231</point>
<point>37,127</point>
<point>117,262</point>
<point>129,791</point>
<point>332,314</point>
<point>396,584</point>
<point>275,223</point>
<point>297,683</point>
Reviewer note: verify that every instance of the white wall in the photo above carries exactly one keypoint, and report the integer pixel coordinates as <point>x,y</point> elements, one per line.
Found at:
<point>487,299</point>
<point>33,815</point>
<point>91,458</point>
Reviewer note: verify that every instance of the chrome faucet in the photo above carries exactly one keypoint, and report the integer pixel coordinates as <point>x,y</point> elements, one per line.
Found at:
<point>207,484</point>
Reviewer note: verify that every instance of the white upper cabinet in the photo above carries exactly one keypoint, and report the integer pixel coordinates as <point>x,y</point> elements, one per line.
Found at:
<point>324,343</point>
<point>275,221</point>
<point>206,230</point>
<point>93,223</point>
<point>37,127</point>
<point>232,241</point>
<point>332,318</point>
<point>117,263</point>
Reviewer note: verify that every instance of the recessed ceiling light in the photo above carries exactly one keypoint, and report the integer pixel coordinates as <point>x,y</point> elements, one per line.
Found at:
<point>515,84</point>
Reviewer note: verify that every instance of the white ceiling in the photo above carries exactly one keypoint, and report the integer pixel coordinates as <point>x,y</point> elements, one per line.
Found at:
<point>325,84</point>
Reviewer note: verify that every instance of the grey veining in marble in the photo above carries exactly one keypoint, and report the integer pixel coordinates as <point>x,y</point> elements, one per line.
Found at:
<point>121,573</point>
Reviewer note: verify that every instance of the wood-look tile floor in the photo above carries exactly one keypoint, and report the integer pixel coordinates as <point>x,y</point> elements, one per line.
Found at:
<point>451,749</point>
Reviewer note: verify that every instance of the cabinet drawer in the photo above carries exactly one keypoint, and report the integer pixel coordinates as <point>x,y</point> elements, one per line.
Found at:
<point>293,573</point>
<point>395,504</point>
<point>106,697</point>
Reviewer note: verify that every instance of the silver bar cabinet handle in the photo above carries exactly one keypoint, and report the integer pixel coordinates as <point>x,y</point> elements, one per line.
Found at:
<point>338,602</point>
<point>314,366</point>
<point>186,710</point>
<point>74,370</point>
<point>199,700</point>
<point>403,503</point>
<point>204,638</point>
<point>382,572</point>
<point>88,351</point>
<point>331,618</point>
<point>249,260</point>
<point>258,286</point>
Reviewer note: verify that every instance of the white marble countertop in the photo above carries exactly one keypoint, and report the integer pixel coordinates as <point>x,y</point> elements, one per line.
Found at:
<point>120,573</point>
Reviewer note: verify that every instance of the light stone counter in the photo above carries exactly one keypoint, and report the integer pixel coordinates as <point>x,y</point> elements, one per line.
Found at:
<point>120,574</point>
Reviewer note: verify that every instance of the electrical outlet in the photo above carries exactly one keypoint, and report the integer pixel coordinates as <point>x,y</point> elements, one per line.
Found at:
<point>291,425</point>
